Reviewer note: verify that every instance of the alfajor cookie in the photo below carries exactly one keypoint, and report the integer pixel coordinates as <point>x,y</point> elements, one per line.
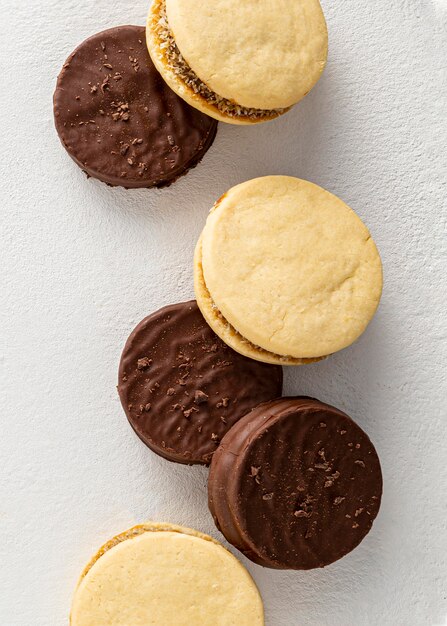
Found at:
<point>165,575</point>
<point>118,119</point>
<point>285,272</point>
<point>240,62</point>
<point>182,388</point>
<point>296,484</point>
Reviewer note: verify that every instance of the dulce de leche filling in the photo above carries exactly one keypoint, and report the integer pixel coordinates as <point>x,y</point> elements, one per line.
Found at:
<point>175,61</point>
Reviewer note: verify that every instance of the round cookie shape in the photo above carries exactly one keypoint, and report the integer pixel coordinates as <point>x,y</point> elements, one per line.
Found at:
<point>295,485</point>
<point>165,574</point>
<point>118,119</point>
<point>182,387</point>
<point>240,62</point>
<point>290,267</point>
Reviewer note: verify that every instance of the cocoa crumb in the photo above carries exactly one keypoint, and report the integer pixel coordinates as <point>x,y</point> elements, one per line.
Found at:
<point>148,406</point>
<point>105,84</point>
<point>267,496</point>
<point>301,513</point>
<point>361,463</point>
<point>200,397</point>
<point>223,403</point>
<point>338,500</point>
<point>170,391</point>
<point>144,363</point>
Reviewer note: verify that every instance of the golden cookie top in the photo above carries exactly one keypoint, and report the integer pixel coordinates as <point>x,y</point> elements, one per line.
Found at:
<point>167,575</point>
<point>290,267</point>
<point>265,55</point>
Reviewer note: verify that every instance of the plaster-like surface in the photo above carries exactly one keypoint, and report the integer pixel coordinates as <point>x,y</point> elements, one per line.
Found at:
<point>81,264</point>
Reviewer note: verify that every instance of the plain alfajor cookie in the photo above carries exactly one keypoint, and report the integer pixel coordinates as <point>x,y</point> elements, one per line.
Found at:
<point>167,576</point>
<point>240,62</point>
<point>118,119</point>
<point>285,272</point>
<point>296,484</point>
<point>182,388</point>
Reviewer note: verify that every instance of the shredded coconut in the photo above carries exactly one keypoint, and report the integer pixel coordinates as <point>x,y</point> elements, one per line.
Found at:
<point>180,67</point>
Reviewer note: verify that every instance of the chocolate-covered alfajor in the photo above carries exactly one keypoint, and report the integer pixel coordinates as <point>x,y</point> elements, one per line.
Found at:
<point>296,484</point>
<point>182,388</point>
<point>240,62</point>
<point>118,119</point>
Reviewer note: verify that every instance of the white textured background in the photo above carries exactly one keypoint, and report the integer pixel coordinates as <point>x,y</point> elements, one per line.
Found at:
<point>81,264</point>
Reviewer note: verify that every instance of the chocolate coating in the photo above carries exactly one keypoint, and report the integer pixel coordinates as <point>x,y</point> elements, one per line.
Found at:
<point>119,120</point>
<point>296,484</point>
<point>182,388</point>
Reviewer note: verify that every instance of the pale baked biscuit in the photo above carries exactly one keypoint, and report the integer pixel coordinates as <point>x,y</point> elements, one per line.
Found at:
<point>167,575</point>
<point>239,62</point>
<point>285,271</point>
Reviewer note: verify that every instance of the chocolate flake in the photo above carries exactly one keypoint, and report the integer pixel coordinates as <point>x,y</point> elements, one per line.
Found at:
<point>170,391</point>
<point>338,500</point>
